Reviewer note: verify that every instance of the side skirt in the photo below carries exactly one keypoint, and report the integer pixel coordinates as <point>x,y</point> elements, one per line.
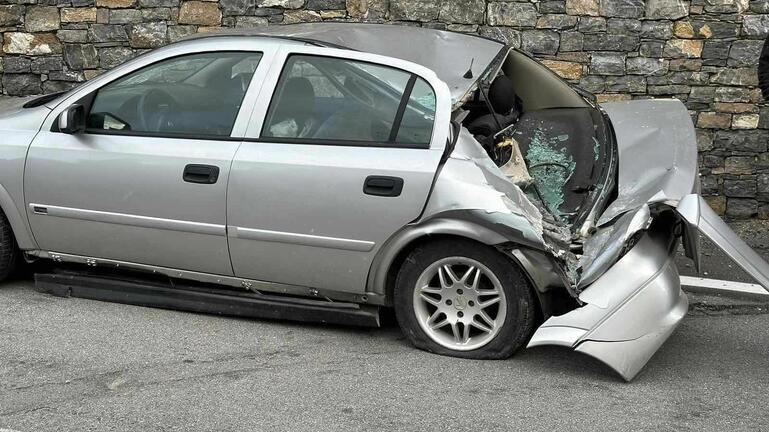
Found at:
<point>253,285</point>
<point>206,300</point>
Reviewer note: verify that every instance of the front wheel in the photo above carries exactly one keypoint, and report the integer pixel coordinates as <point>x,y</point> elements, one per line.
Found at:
<point>8,250</point>
<point>464,299</point>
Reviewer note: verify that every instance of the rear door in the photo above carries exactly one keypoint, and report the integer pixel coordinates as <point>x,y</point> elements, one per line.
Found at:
<point>146,182</point>
<point>339,156</point>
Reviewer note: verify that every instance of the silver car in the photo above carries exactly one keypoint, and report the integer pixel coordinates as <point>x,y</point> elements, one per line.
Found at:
<point>326,171</point>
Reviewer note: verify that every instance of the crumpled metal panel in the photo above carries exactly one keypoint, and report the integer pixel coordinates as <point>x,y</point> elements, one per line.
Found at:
<point>697,213</point>
<point>657,153</point>
<point>469,180</point>
<point>657,148</point>
<point>629,311</point>
<point>450,55</point>
<point>605,246</point>
<point>633,303</point>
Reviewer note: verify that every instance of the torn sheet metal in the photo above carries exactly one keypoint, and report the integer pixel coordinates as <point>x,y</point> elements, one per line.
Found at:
<point>603,249</point>
<point>657,153</point>
<point>698,214</point>
<point>657,163</point>
<point>470,184</point>
<point>629,311</point>
<point>470,180</point>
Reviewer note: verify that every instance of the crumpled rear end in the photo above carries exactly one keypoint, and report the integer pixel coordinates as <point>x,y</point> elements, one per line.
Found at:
<point>629,311</point>
<point>632,300</point>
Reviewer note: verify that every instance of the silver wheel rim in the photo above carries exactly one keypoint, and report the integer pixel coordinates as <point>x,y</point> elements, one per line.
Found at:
<point>459,303</point>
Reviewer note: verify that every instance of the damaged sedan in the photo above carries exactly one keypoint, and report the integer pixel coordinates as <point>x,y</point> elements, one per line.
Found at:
<point>324,171</point>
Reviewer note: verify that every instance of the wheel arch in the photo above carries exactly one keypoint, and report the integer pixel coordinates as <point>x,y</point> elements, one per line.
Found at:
<point>392,256</point>
<point>16,219</point>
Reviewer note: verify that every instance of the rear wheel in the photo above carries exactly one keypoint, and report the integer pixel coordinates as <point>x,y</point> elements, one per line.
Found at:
<point>8,250</point>
<point>461,298</point>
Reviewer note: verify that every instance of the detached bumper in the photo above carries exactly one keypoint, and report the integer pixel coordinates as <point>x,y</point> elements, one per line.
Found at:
<point>630,310</point>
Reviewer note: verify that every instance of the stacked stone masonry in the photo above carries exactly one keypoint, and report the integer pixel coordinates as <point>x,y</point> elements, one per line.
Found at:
<point>703,52</point>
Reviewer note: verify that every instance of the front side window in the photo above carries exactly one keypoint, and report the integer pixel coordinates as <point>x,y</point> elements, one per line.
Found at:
<point>196,94</point>
<point>328,99</point>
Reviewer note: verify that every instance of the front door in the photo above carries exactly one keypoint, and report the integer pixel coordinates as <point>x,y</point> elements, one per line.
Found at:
<point>147,181</point>
<point>344,156</point>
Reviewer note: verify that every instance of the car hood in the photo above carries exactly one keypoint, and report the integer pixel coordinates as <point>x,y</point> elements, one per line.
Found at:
<point>450,55</point>
<point>14,117</point>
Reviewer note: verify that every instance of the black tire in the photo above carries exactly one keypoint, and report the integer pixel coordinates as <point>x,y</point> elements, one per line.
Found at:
<point>521,304</point>
<point>8,250</point>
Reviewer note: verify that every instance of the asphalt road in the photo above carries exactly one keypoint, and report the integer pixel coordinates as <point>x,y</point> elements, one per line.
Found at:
<point>76,365</point>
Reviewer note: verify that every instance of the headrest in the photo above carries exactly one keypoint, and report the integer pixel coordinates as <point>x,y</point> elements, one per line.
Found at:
<point>502,95</point>
<point>297,100</point>
<point>298,87</point>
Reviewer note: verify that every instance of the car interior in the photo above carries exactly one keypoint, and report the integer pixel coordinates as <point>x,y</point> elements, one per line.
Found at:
<point>320,98</point>
<point>195,94</point>
<point>559,135</point>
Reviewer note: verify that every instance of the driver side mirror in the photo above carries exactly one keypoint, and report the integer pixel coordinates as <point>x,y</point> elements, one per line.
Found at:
<point>72,119</point>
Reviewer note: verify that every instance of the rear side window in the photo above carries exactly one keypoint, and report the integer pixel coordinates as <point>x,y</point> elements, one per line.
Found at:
<point>196,94</point>
<point>419,116</point>
<point>330,100</point>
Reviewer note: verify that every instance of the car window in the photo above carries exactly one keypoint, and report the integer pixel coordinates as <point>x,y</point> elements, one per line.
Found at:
<point>329,99</point>
<point>322,85</point>
<point>196,94</point>
<point>419,116</point>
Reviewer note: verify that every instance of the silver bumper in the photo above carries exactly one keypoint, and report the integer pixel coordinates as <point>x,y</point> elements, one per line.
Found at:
<point>630,310</point>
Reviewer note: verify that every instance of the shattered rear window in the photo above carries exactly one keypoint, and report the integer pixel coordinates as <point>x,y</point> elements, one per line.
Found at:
<point>551,166</point>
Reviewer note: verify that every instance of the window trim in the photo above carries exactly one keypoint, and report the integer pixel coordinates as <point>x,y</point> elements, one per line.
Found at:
<point>390,143</point>
<point>87,102</point>
<point>166,135</point>
<point>337,142</point>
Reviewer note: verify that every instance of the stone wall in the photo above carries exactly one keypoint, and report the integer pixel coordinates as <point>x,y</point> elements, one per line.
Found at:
<point>703,52</point>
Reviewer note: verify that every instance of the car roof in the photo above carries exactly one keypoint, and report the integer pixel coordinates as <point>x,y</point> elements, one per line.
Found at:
<point>449,54</point>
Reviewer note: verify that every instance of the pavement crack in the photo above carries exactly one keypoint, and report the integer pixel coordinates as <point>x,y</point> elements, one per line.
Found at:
<point>24,411</point>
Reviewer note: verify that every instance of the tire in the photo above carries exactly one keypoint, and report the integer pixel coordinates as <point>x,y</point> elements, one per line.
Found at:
<point>8,250</point>
<point>458,298</point>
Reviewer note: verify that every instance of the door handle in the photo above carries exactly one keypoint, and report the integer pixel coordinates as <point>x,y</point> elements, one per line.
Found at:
<point>383,186</point>
<point>202,174</point>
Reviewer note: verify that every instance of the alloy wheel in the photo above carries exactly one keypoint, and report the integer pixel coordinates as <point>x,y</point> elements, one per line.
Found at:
<point>459,303</point>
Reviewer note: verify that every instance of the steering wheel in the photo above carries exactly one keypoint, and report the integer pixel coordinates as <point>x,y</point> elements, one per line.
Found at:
<point>154,109</point>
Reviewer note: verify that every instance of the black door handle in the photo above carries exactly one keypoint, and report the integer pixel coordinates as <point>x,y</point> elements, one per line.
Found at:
<point>202,174</point>
<point>383,186</point>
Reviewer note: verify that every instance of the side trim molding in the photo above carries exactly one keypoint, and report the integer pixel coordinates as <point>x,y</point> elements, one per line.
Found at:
<point>301,239</point>
<point>128,219</point>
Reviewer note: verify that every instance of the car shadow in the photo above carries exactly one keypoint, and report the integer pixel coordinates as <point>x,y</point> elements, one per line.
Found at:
<point>565,361</point>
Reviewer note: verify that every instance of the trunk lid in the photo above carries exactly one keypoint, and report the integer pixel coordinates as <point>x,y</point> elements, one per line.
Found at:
<point>657,153</point>
<point>630,288</point>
